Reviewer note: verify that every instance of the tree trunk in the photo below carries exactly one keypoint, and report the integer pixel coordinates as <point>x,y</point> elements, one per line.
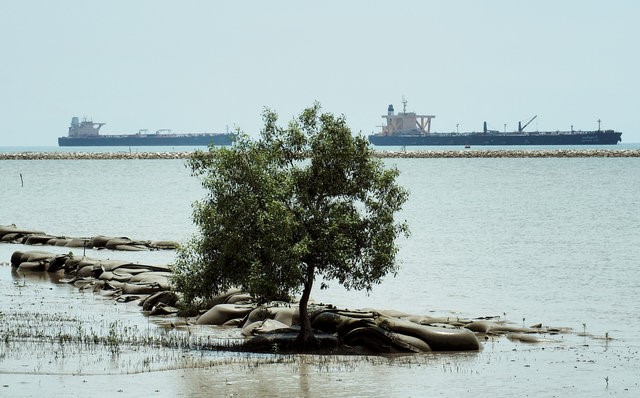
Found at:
<point>306,339</point>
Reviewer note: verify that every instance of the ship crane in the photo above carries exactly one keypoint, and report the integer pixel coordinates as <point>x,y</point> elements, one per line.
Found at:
<point>521,127</point>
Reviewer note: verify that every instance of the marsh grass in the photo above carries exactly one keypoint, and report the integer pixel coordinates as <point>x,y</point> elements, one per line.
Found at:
<point>64,344</point>
<point>87,342</point>
<point>67,343</point>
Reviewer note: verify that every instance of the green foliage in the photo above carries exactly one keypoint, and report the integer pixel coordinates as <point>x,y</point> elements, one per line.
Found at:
<point>304,201</point>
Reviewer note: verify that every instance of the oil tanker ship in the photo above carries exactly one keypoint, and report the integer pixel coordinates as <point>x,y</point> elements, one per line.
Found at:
<point>87,133</point>
<point>408,128</point>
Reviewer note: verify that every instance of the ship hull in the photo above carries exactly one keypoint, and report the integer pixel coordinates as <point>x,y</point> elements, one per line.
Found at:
<point>149,140</point>
<point>435,139</point>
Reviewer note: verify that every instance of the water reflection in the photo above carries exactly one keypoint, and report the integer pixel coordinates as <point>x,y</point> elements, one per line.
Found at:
<point>22,276</point>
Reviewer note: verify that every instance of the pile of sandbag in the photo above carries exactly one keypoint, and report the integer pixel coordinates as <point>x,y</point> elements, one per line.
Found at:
<point>123,280</point>
<point>12,234</point>
<point>277,324</point>
<point>369,331</point>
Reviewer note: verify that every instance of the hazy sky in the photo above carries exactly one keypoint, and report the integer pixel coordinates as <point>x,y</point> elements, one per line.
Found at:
<point>203,65</point>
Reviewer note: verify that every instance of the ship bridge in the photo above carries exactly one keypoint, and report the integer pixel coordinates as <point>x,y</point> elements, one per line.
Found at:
<point>406,123</point>
<point>84,128</point>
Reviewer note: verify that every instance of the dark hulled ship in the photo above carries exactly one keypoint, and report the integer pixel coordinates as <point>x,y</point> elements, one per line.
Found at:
<point>87,133</point>
<point>408,128</point>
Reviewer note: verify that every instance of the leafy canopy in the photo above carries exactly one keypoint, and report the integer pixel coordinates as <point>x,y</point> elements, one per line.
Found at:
<point>304,201</point>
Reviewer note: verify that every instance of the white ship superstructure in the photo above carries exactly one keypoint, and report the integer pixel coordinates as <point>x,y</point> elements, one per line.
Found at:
<point>84,128</point>
<point>406,123</point>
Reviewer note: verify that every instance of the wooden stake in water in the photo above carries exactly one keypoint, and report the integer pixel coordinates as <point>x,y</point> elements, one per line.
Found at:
<point>21,181</point>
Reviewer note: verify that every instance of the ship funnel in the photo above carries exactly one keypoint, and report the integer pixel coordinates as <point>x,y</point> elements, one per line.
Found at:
<point>390,110</point>
<point>75,121</point>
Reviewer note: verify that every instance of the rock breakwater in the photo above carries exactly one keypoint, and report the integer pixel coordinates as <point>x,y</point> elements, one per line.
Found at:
<point>427,154</point>
<point>510,153</point>
<point>93,155</point>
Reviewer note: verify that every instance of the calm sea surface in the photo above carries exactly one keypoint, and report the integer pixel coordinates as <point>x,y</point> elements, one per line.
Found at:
<point>553,240</point>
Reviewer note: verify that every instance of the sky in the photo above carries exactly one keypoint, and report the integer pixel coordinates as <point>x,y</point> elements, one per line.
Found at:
<point>205,66</point>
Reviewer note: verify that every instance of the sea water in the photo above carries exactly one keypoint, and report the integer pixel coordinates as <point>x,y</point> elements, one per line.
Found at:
<point>552,241</point>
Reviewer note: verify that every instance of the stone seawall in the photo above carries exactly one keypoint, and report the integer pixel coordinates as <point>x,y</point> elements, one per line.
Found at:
<point>509,153</point>
<point>467,153</point>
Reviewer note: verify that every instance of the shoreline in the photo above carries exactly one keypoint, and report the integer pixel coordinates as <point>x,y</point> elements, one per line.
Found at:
<point>383,154</point>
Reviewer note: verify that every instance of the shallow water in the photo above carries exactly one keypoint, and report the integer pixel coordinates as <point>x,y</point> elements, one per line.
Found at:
<point>571,365</point>
<point>532,240</point>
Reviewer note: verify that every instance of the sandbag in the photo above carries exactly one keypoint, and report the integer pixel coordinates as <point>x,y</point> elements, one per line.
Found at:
<point>60,242</point>
<point>266,326</point>
<point>86,271</point>
<point>221,313</point>
<point>112,276</point>
<point>528,338</point>
<point>10,237</point>
<point>162,309</point>
<point>113,242</point>
<point>438,339</point>
<point>140,288</point>
<point>499,327</point>
<point>130,270</point>
<point>222,298</point>
<point>18,257</point>
<point>11,229</point>
<point>129,248</point>
<point>77,243</point>
<point>31,266</point>
<point>239,298</point>
<point>332,320</point>
<point>164,245</point>
<point>57,263</point>
<point>372,338</point>
<point>38,239</point>
<point>164,297</point>
<point>99,241</point>
<point>159,278</point>
<point>326,321</point>
<point>287,315</point>
<point>413,344</point>
<point>110,265</point>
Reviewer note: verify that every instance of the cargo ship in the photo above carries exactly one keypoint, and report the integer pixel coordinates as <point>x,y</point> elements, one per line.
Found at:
<point>408,128</point>
<point>87,133</point>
